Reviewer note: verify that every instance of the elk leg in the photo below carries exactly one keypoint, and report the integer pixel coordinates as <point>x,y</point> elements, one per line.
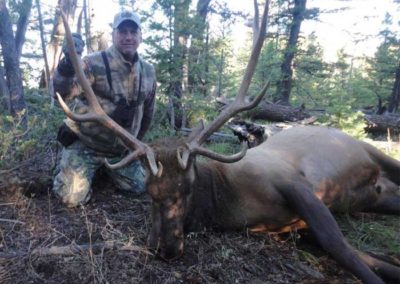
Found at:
<point>325,229</point>
<point>387,271</point>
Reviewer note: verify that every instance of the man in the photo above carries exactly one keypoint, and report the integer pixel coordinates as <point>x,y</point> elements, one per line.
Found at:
<point>125,86</point>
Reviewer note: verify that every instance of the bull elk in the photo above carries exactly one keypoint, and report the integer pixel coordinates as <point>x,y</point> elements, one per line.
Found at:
<point>299,176</point>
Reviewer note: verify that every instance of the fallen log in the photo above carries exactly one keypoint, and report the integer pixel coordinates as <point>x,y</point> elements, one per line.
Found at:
<point>279,113</point>
<point>381,123</point>
<point>255,133</point>
<point>267,110</point>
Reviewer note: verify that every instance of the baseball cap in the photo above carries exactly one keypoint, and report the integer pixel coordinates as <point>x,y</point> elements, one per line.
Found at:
<point>126,16</point>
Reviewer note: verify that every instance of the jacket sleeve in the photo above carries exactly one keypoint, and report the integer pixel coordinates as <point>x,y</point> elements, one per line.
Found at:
<point>148,112</point>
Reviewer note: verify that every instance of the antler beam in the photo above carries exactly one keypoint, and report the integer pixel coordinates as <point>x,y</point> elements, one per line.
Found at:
<point>97,114</point>
<point>238,105</point>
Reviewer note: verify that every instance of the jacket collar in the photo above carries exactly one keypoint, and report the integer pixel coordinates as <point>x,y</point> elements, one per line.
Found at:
<point>119,55</point>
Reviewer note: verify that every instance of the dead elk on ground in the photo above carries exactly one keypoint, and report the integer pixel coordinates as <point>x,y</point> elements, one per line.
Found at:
<point>297,177</point>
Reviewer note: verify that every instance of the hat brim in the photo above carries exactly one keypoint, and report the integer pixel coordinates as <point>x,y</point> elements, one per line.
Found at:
<point>116,25</point>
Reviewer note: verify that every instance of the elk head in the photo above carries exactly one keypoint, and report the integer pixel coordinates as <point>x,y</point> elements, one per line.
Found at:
<point>169,180</point>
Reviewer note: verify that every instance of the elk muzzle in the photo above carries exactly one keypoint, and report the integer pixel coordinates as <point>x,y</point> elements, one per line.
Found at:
<point>167,236</point>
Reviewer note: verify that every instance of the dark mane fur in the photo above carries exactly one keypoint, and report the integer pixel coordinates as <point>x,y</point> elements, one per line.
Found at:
<point>165,150</point>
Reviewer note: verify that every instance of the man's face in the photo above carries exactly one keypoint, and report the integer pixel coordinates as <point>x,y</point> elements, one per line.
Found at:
<point>127,38</point>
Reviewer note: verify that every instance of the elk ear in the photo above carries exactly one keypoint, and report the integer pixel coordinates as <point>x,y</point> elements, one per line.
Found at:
<point>196,130</point>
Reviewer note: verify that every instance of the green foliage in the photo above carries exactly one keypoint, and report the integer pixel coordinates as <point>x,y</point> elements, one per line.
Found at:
<point>224,148</point>
<point>267,69</point>
<point>382,67</point>
<point>199,108</point>
<point>158,132</point>
<point>203,66</point>
<point>342,117</point>
<point>340,88</point>
<point>312,75</point>
<point>373,233</point>
<point>44,120</point>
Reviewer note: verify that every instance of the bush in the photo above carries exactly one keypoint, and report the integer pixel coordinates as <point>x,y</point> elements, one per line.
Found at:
<point>345,118</point>
<point>18,144</point>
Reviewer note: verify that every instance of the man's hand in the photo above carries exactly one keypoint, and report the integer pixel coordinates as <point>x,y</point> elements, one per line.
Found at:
<point>65,67</point>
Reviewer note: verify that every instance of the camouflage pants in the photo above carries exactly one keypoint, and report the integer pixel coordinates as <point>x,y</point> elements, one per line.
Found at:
<point>76,170</point>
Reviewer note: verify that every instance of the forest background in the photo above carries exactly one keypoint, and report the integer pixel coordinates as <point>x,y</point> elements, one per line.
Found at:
<point>334,59</point>
<point>200,48</point>
<point>335,63</point>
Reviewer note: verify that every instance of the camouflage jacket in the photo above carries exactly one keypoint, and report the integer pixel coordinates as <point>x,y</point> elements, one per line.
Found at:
<point>130,102</point>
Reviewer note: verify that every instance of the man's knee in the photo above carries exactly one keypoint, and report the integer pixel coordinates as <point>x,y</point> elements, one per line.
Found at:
<point>130,179</point>
<point>72,189</point>
<point>76,169</point>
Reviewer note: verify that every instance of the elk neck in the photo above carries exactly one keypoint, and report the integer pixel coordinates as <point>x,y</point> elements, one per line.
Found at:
<point>211,202</point>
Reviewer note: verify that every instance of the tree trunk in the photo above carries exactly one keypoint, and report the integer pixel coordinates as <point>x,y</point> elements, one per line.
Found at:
<point>43,44</point>
<point>198,54</point>
<point>256,22</point>
<point>11,66</point>
<point>22,24</point>
<point>4,93</point>
<point>68,7</point>
<point>177,87</point>
<point>395,97</point>
<point>87,23</point>
<point>205,81</point>
<point>220,68</point>
<point>284,85</point>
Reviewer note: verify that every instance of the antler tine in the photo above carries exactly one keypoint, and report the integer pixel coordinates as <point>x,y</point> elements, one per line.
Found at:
<point>239,104</point>
<point>89,94</point>
<point>124,162</point>
<point>223,158</point>
<point>97,114</point>
<point>156,171</point>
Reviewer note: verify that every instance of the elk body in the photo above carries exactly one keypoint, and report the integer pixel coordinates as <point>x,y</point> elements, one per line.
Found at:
<point>297,177</point>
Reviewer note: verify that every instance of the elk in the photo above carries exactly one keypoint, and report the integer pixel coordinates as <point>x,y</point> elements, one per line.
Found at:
<point>296,178</point>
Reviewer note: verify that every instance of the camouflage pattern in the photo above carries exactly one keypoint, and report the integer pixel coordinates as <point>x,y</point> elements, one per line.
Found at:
<point>125,82</point>
<point>82,159</point>
<point>78,165</point>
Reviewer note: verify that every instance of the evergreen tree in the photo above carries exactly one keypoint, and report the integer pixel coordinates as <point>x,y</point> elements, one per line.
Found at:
<point>383,70</point>
<point>11,44</point>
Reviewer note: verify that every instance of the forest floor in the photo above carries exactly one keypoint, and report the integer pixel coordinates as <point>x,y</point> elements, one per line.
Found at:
<point>42,241</point>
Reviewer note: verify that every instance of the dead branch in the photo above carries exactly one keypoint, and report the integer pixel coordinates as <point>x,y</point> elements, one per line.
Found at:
<point>11,221</point>
<point>215,137</point>
<point>74,249</point>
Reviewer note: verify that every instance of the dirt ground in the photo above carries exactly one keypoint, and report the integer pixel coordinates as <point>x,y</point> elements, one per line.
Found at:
<point>42,241</point>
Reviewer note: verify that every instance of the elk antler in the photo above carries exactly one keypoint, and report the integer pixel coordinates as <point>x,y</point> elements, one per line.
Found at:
<point>194,145</point>
<point>97,114</point>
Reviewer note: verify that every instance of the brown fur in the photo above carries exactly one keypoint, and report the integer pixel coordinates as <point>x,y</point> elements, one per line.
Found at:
<point>292,178</point>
